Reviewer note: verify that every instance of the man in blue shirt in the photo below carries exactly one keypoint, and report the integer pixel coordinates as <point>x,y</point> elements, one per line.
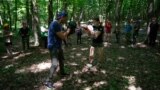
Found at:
<point>55,37</point>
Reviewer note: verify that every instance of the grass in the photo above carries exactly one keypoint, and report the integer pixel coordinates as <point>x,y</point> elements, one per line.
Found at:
<point>124,67</point>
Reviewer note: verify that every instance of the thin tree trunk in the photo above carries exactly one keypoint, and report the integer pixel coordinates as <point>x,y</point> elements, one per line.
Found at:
<point>15,15</point>
<point>4,12</point>
<point>28,15</point>
<point>117,18</point>
<point>9,15</point>
<point>35,27</point>
<point>65,5</point>
<point>50,12</point>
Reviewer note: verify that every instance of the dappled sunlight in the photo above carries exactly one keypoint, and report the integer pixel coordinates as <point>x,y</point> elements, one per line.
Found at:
<point>100,83</point>
<point>58,85</point>
<point>84,49</point>
<point>77,72</point>
<point>35,68</point>
<point>44,51</point>
<point>141,45</point>
<point>158,54</point>
<point>103,71</point>
<point>8,66</point>
<point>88,88</point>
<point>84,58</point>
<point>121,58</point>
<point>72,64</point>
<point>73,49</point>
<point>106,44</point>
<point>72,56</point>
<point>122,47</point>
<point>78,54</point>
<point>6,56</point>
<point>109,59</point>
<point>22,55</point>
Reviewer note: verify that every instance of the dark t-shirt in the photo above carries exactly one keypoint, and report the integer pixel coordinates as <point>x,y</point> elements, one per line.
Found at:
<point>53,40</point>
<point>154,28</point>
<point>99,40</point>
<point>24,32</point>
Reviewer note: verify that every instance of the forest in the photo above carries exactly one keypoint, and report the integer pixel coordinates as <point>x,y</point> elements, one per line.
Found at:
<point>126,67</point>
<point>41,12</point>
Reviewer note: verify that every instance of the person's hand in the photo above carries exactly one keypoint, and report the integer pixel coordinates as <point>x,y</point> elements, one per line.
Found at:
<point>11,34</point>
<point>66,33</point>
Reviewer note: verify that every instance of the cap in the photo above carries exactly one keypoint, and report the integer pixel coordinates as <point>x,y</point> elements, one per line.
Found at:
<point>62,14</point>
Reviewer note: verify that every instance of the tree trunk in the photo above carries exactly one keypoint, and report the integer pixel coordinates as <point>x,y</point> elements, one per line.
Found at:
<point>28,14</point>
<point>35,20</point>
<point>117,19</point>
<point>157,8</point>
<point>15,26</point>
<point>50,12</point>
<point>150,9</point>
<point>64,5</point>
<point>9,15</point>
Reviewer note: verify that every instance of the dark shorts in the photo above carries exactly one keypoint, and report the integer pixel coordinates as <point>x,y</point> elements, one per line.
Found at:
<point>108,31</point>
<point>97,44</point>
<point>8,43</point>
<point>57,53</point>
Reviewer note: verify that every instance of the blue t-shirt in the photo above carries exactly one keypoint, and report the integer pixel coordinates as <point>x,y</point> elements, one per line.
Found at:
<point>54,41</point>
<point>128,28</point>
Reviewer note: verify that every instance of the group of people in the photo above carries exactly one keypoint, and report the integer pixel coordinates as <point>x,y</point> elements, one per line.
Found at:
<point>95,30</point>
<point>132,28</point>
<point>24,32</point>
<point>56,35</point>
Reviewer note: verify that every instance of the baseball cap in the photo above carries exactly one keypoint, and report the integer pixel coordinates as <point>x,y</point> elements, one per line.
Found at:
<point>62,14</point>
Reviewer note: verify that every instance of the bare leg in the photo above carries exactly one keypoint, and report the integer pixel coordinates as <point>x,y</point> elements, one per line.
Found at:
<point>91,54</point>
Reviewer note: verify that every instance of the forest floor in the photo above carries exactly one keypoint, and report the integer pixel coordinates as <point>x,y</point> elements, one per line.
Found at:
<point>125,68</point>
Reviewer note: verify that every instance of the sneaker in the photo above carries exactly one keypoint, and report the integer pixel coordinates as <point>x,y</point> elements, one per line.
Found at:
<point>49,84</point>
<point>89,65</point>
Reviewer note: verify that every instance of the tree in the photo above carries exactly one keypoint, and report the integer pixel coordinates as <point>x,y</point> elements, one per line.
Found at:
<point>117,18</point>
<point>50,11</point>
<point>35,20</point>
<point>15,15</point>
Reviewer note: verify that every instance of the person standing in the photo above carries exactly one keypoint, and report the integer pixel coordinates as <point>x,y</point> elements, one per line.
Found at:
<point>7,34</point>
<point>24,33</point>
<point>136,28</point>
<point>79,32</point>
<point>127,30</point>
<point>108,27</point>
<point>55,37</point>
<point>96,47</point>
<point>154,26</point>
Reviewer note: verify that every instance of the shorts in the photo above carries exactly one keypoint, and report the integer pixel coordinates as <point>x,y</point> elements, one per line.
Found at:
<point>8,43</point>
<point>97,44</point>
<point>57,53</point>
